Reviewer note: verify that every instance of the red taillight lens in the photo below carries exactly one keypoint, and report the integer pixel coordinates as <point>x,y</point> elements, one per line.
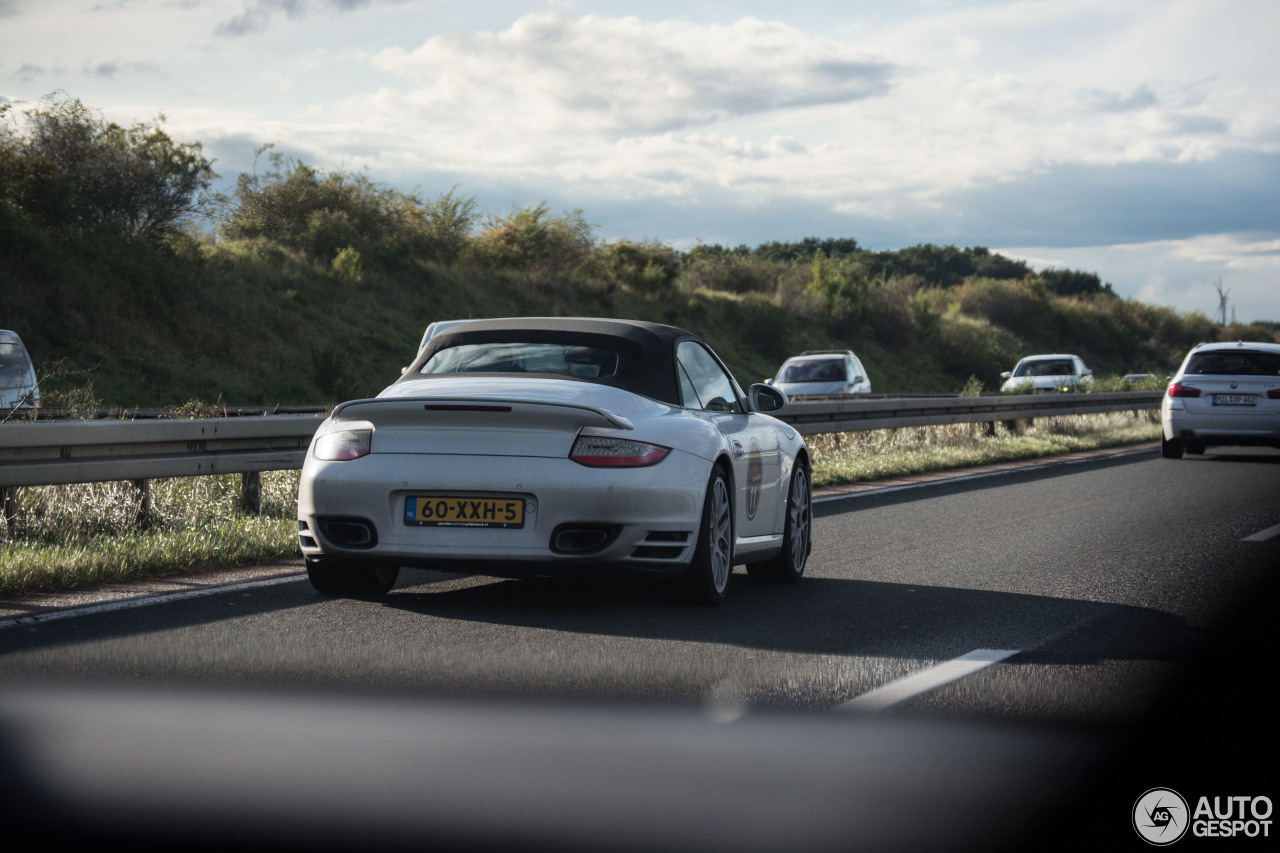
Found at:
<point>597,451</point>
<point>1177,389</point>
<point>1274,394</point>
<point>344,445</point>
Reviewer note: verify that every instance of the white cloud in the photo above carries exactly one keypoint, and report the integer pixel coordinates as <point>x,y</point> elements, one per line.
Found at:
<point>615,77</point>
<point>277,81</point>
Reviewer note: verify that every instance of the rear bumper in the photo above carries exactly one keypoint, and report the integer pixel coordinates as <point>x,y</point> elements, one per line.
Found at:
<point>1222,428</point>
<point>577,519</point>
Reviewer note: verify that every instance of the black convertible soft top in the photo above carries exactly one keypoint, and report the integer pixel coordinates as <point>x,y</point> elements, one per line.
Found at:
<point>646,351</point>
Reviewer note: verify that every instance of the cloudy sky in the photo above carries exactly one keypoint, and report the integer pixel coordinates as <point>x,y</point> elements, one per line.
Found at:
<point>1138,139</point>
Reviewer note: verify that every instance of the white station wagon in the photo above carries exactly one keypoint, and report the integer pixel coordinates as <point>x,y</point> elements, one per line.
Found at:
<point>1226,393</point>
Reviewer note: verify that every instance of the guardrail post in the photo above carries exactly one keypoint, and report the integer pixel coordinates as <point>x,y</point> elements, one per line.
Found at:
<point>143,489</point>
<point>251,492</point>
<point>10,505</point>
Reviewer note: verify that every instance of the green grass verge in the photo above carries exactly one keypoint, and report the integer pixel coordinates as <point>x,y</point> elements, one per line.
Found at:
<point>855,457</point>
<point>131,556</point>
<point>64,537</point>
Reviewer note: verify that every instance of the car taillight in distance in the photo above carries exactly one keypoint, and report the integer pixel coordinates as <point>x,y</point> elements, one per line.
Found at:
<point>344,445</point>
<point>599,451</point>
<point>1177,389</point>
<point>1273,394</point>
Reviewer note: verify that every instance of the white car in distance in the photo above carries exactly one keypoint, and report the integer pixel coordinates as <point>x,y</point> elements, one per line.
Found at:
<point>1043,374</point>
<point>822,373</point>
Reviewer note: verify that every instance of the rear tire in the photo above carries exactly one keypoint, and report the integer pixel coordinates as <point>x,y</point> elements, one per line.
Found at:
<point>797,534</point>
<point>707,580</point>
<point>1170,448</point>
<point>350,580</point>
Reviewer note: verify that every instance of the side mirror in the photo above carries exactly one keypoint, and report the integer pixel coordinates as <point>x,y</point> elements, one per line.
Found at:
<point>1006,374</point>
<point>769,381</point>
<point>765,398</point>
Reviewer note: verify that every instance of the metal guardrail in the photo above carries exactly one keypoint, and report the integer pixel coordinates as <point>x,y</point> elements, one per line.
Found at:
<point>852,415</point>
<point>54,453</point>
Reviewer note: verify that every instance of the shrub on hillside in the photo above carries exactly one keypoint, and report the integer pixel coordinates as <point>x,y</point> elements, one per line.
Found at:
<point>974,346</point>
<point>531,237</point>
<point>1021,305</point>
<point>841,282</point>
<point>71,170</point>
<point>728,271</point>
<point>648,268</point>
<point>888,315</point>
<point>321,213</point>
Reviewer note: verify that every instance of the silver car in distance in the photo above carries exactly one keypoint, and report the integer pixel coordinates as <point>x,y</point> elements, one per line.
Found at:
<point>529,447</point>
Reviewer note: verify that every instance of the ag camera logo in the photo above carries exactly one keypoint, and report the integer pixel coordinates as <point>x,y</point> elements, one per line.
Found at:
<point>1160,816</point>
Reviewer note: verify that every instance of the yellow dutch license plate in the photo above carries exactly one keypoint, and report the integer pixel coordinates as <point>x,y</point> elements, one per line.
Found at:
<point>461,511</point>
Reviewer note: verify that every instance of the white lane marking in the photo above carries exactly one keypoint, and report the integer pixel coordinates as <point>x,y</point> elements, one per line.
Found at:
<point>982,476</point>
<point>130,603</point>
<point>1263,535</point>
<point>922,682</point>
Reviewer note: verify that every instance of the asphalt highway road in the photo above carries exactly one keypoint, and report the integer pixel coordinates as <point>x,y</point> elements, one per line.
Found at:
<point>1097,579</point>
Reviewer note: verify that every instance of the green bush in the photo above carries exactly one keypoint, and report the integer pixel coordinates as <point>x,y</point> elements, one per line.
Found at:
<point>68,168</point>
<point>321,213</point>
<point>648,268</point>
<point>729,272</point>
<point>347,263</point>
<point>532,237</point>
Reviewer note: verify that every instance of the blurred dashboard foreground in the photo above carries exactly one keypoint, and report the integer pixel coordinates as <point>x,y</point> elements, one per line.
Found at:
<point>310,770</point>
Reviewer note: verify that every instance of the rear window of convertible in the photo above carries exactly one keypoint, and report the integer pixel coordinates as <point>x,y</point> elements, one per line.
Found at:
<point>579,362</point>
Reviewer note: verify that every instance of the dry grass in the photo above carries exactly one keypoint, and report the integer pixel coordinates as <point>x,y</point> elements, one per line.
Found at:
<point>75,535</point>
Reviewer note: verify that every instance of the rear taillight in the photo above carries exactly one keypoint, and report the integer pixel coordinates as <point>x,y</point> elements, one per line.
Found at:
<point>1177,389</point>
<point>1274,394</point>
<point>597,451</point>
<point>344,445</point>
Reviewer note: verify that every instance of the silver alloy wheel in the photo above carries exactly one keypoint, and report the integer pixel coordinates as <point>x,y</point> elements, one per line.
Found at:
<point>721,533</point>
<point>801,519</point>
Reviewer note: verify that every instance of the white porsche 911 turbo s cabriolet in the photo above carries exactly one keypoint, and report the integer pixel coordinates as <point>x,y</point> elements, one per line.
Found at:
<point>527,447</point>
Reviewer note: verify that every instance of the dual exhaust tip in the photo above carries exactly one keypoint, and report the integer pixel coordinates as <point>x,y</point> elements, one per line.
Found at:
<point>569,538</point>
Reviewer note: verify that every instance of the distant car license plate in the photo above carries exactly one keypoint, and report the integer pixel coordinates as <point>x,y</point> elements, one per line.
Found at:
<point>1235,400</point>
<point>460,511</point>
